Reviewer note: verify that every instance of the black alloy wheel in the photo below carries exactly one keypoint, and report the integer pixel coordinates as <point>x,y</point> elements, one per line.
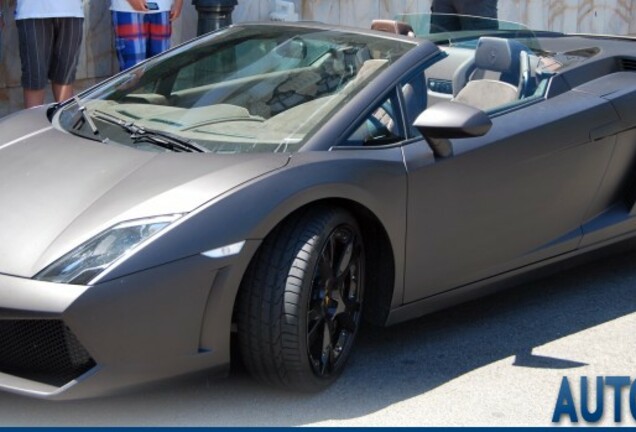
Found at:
<point>335,302</point>
<point>300,302</point>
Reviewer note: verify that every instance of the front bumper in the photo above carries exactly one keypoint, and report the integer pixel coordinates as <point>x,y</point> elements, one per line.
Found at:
<point>62,341</point>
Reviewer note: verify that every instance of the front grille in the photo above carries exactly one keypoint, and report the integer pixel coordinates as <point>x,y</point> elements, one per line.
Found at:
<point>45,351</point>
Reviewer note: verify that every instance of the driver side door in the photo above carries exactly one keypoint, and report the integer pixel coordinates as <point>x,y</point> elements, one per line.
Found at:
<point>516,196</point>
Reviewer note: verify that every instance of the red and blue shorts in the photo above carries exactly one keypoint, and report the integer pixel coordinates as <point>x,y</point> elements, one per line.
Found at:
<point>139,36</point>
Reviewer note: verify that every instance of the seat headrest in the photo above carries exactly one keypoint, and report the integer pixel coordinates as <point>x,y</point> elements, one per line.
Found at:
<point>497,54</point>
<point>393,26</point>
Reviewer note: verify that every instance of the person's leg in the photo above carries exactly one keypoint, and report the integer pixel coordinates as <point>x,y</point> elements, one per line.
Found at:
<point>160,31</point>
<point>35,40</point>
<point>478,8</point>
<point>61,92</point>
<point>482,8</point>
<point>130,38</point>
<point>442,19</point>
<point>66,46</point>
<point>33,97</point>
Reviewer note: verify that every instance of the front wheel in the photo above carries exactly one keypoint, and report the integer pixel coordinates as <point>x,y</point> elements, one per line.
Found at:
<point>300,303</point>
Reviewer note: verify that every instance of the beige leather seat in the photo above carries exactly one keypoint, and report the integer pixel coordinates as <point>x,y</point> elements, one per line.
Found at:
<point>496,76</point>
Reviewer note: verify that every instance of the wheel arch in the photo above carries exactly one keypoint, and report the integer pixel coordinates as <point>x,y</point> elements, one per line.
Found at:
<point>380,215</point>
<point>380,271</point>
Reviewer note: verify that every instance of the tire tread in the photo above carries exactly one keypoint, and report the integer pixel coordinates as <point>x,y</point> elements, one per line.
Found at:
<point>269,302</point>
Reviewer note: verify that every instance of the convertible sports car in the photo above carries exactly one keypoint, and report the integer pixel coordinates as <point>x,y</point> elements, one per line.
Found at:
<point>281,182</point>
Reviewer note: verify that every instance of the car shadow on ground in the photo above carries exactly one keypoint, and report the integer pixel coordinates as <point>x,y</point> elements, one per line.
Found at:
<point>390,365</point>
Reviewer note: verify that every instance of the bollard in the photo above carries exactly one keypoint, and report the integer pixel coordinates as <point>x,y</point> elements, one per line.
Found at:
<point>213,14</point>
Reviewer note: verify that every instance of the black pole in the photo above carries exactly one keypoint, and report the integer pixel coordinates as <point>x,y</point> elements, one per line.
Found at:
<point>213,14</point>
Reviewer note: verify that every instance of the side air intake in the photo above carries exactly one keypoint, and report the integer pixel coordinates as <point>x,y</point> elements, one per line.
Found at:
<point>45,351</point>
<point>628,64</point>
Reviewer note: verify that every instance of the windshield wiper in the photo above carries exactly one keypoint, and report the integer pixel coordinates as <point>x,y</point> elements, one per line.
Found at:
<point>159,138</point>
<point>167,140</point>
<point>85,116</point>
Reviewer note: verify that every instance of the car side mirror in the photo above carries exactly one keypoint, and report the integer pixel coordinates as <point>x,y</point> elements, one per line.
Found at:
<point>448,120</point>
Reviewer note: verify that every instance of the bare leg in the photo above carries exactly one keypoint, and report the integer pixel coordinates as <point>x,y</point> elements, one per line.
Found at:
<point>62,91</point>
<point>33,97</point>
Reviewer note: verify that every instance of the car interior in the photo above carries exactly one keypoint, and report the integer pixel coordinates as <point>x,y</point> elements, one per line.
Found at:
<point>496,72</point>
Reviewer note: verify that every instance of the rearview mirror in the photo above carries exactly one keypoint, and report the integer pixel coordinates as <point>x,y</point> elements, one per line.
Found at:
<point>294,48</point>
<point>448,120</point>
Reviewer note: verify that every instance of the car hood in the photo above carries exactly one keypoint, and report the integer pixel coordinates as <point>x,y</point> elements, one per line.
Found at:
<point>58,190</point>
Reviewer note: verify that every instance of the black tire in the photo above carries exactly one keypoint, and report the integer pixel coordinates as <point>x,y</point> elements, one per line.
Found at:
<point>297,316</point>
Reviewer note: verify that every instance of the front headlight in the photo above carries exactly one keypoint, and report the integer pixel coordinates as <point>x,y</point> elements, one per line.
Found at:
<point>85,262</point>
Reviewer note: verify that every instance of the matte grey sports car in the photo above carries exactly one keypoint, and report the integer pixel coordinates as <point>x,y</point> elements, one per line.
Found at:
<point>281,182</point>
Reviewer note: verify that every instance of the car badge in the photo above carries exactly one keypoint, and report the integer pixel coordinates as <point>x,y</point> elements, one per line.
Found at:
<point>493,56</point>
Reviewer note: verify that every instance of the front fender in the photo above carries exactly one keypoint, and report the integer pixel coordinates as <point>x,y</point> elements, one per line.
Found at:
<point>373,179</point>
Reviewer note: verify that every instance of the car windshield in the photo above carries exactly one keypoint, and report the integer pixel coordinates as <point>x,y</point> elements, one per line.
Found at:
<point>453,29</point>
<point>254,88</point>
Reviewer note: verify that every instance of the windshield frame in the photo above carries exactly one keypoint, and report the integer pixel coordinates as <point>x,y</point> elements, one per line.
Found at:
<point>108,88</point>
<point>484,26</point>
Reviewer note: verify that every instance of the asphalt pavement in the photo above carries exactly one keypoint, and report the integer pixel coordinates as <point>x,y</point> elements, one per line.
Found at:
<point>495,361</point>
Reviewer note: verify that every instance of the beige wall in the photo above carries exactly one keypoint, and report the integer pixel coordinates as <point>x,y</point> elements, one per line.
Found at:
<point>596,16</point>
<point>97,60</point>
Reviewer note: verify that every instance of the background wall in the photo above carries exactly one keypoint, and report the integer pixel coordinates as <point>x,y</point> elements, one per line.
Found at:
<point>97,60</point>
<point>596,16</point>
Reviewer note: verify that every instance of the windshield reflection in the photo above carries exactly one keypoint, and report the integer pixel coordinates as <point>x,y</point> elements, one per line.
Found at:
<point>253,88</point>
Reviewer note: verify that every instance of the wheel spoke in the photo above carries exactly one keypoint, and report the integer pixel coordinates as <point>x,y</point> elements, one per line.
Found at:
<point>336,296</point>
<point>325,269</point>
<point>327,335</point>
<point>325,359</point>
<point>316,312</point>
<point>327,348</point>
<point>347,322</point>
<point>353,260</point>
<point>330,255</point>
<point>357,251</point>
<point>341,305</point>
<point>340,343</point>
<point>314,331</point>
<point>345,257</point>
<point>349,293</point>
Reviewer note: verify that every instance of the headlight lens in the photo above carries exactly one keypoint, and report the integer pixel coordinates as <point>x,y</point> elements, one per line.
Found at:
<point>85,262</point>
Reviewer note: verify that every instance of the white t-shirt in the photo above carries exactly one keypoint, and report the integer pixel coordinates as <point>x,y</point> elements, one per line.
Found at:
<point>26,9</point>
<point>124,6</point>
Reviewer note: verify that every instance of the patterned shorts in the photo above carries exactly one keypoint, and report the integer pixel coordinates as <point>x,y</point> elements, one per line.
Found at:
<point>139,36</point>
<point>49,50</point>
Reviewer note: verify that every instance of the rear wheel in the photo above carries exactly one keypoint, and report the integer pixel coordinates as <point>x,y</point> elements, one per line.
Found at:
<point>300,302</point>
